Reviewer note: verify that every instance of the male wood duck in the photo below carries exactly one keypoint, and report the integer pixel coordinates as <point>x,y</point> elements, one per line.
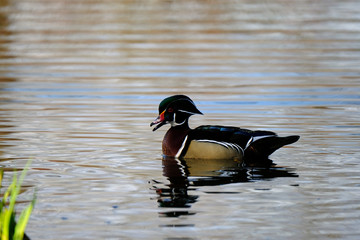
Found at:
<point>211,142</point>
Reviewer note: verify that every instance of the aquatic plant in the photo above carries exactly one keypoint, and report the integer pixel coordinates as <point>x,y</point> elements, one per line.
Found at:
<point>10,228</point>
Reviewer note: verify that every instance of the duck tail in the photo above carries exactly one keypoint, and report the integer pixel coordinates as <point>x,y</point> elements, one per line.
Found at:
<point>261,149</point>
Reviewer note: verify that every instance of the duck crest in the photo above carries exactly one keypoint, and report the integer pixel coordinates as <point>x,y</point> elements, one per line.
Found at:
<point>173,140</point>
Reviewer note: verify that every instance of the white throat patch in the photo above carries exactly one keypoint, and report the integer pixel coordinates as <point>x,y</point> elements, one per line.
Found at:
<point>174,123</point>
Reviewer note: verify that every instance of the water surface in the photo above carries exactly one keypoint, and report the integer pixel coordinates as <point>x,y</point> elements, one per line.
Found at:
<point>80,81</point>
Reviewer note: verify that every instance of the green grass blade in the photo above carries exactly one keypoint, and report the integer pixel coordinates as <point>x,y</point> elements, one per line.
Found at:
<point>8,213</point>
<point>9,228</point>
<point>2,201</point>
<point>23,220</point>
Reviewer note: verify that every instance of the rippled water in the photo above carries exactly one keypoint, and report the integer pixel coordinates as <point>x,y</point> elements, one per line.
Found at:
<point>80,81</point>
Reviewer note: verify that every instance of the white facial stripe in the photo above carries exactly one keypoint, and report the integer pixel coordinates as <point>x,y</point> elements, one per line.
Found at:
<point>174,123</point>
<point>186,111</point>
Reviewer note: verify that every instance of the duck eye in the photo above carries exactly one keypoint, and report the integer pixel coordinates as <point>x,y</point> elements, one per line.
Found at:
<point>170,110</point>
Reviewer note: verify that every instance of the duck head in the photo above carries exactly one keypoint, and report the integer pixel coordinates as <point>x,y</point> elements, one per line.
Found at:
<point>175,110</point>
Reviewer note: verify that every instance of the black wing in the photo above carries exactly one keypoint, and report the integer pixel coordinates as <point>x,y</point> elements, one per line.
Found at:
<point>239,136</point>
<point>257,145</point>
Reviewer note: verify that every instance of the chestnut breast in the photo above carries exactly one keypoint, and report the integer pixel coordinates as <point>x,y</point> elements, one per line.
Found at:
<point>173,140</point>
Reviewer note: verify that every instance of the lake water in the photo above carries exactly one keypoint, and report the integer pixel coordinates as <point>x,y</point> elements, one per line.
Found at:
<point>80,81</point>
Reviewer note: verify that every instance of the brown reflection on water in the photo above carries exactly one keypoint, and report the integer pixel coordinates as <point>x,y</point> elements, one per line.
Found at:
<point>187,175</point>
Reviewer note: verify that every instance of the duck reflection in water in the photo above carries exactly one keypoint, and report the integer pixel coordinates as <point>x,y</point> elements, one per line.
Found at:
<point>187,175</point>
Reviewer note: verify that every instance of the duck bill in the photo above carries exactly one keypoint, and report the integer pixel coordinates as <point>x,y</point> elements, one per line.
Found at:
<point>159,121</point>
